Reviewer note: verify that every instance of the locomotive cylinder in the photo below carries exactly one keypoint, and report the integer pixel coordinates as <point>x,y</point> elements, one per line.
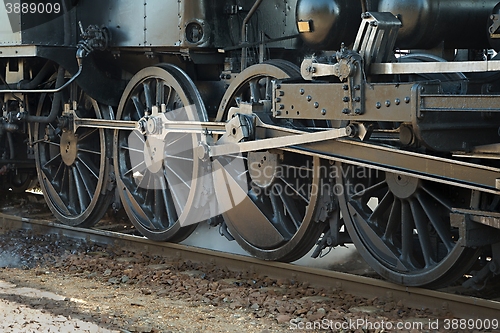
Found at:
<point>324,24</point>
<point>427,23</point>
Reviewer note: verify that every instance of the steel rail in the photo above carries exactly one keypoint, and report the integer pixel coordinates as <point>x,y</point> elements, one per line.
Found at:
<point>465,307</point>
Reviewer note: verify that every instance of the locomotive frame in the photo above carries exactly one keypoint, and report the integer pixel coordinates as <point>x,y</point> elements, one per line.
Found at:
<point>206,113</point>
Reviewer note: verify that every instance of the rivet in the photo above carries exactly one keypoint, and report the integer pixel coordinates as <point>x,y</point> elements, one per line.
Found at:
<point>397,101</point>
<point>282,93</point>
<point>316,105</point>
<point>388,103</point>
<point>282,106</point>
<point>407,99</point>
<point>378,105</point>
<point>309,98</point>
<point>302,91</point>
<point>323,112</point>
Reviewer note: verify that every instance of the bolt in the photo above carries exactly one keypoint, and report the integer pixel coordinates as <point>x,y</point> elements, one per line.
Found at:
<point>378,105</point>
<point>278,86</point>
<point>346,111</point>
<point>345,99</point>
<point>374,23</point>
<point>278,99</point>
<point>323,112</point>
<point>278,113</point>
<point>357,99</point>
<point>345,87</point>
<point>357,87</point>
<point>316,105</point>
<point>281,93</point>
<point>397,101</point>
<point>282,106</point>
<point>358,111</point>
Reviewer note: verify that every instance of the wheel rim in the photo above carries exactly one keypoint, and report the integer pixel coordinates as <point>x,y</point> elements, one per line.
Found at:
<point>275,219</point>
<point>72,166</point>
<point>401,226</point>
<point>158,196</point>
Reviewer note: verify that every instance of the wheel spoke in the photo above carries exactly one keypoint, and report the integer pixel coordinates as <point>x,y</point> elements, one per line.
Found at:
<point>291,208</point>
<point>52,160</point>
<point>89,151</point>
<point>442,229</point>
<point>182,136</point>
<point>438,197</point>
<point>369,190</point>
<point>303,197</point>
<point>423,233</point>
<point>179,158</point>
<point>160,93</point>
<point>138,167</point>
<point>139,108</point>
<point>141,151</point>
<point>148,95</point>
<point>89,165</point>
<point>382,207</point>
<point>87,134</point>
<point>393,221</point>
<point>168,203</point>
<point>81,190</point>
<point>406,234</point>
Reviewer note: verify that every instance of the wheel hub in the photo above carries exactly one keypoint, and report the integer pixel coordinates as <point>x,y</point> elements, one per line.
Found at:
<point>263,168</point>
<point>69,148</point>
<point>402,186</point>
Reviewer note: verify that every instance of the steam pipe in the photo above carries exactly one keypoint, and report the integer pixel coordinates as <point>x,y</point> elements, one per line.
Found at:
<point>56,103</point>
<point>48,91</point>
<point>244,32</point>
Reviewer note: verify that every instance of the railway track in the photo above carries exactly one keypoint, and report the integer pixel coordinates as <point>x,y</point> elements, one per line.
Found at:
<point>459,306</point>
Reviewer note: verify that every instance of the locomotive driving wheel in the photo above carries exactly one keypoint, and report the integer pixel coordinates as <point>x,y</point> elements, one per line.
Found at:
<point>275,219</point>
<point>401,226</point>
<point>72,165</point>
<point>157,177</point>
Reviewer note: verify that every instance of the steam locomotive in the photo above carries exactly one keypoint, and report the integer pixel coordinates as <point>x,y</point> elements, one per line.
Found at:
<point>289,124</point>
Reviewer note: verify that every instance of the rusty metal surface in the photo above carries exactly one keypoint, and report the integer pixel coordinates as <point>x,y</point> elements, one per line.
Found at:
<point>459,306</point>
